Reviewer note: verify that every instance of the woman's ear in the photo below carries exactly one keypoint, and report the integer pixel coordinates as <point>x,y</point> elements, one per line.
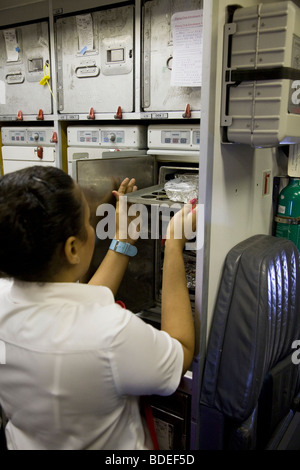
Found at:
<point>72,250</point>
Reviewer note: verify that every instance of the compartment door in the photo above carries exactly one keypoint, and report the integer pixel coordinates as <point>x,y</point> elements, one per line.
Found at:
<point>158,94</point>
<point>98,178</point>
<point>95,61</point>
<point>16,158</point>
<point>29,154</point>
<point>23,53</point>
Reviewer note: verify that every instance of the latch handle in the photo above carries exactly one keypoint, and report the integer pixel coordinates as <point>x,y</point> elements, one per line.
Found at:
<point>40,116</point>
<point>187,113</point>
<point>118,114</point>
<point>39,152</point>
<point>91,114</point>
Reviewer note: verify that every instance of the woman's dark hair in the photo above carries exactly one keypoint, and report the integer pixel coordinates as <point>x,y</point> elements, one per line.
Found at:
<point>39,209</point>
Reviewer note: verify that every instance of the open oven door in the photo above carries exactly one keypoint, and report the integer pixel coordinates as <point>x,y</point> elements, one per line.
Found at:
<point>97,178</point>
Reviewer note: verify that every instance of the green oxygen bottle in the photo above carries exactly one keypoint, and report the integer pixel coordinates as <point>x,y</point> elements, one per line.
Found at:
<point>288,212</point>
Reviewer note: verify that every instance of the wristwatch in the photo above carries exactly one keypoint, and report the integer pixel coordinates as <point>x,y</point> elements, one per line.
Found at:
<point>124,248</point>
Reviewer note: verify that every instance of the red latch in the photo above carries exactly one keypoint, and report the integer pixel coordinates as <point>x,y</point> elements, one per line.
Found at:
<point>40,116</point>
<point>39,152</point>
<point>118,114</point>
<point>20,116</point>
<point>54,138</point>
<point>187,113</point>
<point>91,114</point>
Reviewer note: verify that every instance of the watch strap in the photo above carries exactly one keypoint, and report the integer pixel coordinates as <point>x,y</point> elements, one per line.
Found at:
<point>123,247</point>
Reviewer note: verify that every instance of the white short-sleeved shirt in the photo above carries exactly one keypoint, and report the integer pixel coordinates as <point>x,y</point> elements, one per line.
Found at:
<point>75,366</point>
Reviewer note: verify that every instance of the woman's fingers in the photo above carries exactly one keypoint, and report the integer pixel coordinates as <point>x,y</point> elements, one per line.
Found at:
<point>127,186</point>
<point>131,186</point>
<point>183,224</point>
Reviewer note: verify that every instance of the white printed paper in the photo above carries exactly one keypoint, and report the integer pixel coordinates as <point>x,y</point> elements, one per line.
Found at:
<point>11,44</point>
<point>187,29</point>
<point>85,32</point>
<point>294,160</point>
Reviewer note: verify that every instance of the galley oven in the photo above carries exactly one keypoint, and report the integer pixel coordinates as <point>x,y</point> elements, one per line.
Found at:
<point>94,142</point>
<point>27,146</point>
<point>172,151</point>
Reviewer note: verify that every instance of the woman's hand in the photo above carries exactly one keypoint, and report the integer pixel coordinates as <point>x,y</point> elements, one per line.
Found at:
<point>182,227</point>
<point>112,269</point>
<point>122,219</point>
